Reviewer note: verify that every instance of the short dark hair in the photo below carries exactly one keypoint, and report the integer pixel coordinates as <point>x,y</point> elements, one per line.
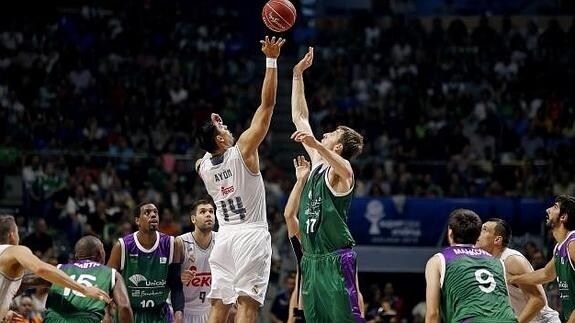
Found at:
<point>503,229</point>
<point>351,141</point>
<point>465,226</point>
<point>194,206</point>
<point>567,207</point>
<point>87,248</point>
<point>207,136</point>
<point>138,209</point>
<point>7,225</point>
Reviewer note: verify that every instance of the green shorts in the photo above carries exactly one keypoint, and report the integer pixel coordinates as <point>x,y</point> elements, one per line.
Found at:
<point>329,290</point>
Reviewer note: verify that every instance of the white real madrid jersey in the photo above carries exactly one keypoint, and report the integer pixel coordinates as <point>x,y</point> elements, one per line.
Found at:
<point>239,194</point>
<point>196,260</point>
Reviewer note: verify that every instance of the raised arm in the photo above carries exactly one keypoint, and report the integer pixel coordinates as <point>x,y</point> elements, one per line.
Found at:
<point>299,109</point>
<point>120,295</point>
<point>29,261</point>
<point>250,140</point>
<point>535,295</point>
<point>343,179</point>
<point>432,291</point>
<point>302,169</point>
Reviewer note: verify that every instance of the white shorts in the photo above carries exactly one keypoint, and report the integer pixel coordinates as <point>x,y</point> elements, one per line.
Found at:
<point>196,317</point>
<point>240,264</point>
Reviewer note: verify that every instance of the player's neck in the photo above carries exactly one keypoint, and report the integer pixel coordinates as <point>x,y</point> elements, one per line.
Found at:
<point>146,239</point>
<point>560,234</point>
<point>203,239</point>
<point>497,252</point>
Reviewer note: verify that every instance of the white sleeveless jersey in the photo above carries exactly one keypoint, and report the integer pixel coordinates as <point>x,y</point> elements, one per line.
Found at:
<point>519,300</point>
<point>8,288</point>
<point>196,259</point>
<point>238,193</point>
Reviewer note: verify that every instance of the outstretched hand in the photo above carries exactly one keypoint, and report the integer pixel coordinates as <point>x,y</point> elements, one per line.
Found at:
<point>302,167</point>
<point>304,63</point>
<point>305,138</point>
<point>271,47</point>
<point>96,293</point>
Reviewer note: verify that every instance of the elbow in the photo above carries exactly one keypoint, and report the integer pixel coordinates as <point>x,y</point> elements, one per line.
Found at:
<point>431,316</point>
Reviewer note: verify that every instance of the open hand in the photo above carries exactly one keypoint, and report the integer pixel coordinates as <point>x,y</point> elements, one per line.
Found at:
<point>304,63</point>
<point>302,167</point>
<point>271,47</point>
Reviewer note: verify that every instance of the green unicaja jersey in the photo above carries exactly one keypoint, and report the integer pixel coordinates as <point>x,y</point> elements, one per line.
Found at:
<point>323,215</point>
<point>565,270</point>
<point>145,271</point>
<point>473,287</point>
<point>66,305</point>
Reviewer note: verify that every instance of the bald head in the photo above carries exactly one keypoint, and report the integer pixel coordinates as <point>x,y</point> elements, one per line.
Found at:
<point>89,247</point>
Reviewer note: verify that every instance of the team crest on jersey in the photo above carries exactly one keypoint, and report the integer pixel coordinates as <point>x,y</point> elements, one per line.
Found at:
<point>163,260</point>
<point>136,279</point>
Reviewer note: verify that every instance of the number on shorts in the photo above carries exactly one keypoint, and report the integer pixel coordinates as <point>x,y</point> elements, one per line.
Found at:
<point>486,280</point>
<point>310,225</point>
<point>203,296</point>
<point>236,207</point>
<point>147,303</point>
<point>83,279</point>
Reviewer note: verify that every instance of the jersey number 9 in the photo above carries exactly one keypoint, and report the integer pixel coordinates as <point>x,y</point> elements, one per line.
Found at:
<point>486,280</point>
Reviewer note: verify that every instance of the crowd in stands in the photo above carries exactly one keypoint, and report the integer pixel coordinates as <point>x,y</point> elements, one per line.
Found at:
<point>103,106</point>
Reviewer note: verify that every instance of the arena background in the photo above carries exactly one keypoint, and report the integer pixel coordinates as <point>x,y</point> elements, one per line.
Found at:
<point>463,103</point>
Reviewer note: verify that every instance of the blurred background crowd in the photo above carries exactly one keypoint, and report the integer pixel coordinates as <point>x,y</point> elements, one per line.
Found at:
<point>99,106</point>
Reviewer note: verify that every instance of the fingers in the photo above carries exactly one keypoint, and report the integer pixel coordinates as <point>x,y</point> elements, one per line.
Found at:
<point>295,163</point>
<point>273,41</point>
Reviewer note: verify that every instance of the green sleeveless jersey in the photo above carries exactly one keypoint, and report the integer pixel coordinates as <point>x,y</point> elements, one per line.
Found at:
<point>474,287</point>
<point>64,304</point>
<point>323,215</point>
<point>565,270</point>
<point>145,271</point>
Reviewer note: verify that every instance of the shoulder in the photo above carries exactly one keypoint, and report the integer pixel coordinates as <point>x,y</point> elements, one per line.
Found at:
<point>185,237</point>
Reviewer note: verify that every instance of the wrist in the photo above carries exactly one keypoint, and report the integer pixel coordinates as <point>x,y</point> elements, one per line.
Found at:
<point>271,62</point>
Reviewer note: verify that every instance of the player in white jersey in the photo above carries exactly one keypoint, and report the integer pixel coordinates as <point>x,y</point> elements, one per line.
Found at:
<point>529,302</point>
<point>196,273</point>
<point>15,259</point>
<point>241,258</point>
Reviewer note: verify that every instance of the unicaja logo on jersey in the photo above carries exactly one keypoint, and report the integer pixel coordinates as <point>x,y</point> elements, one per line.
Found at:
<point>136,279</point>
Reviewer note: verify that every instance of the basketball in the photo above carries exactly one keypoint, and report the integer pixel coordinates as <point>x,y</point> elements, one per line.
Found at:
<point>279,15</point>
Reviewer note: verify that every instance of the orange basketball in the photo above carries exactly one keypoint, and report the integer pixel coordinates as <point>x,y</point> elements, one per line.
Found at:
<point>279,15</point>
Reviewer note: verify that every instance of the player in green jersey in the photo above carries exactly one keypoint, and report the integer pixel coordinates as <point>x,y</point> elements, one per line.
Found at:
<point>15,259</point>
<point>150,263</point>
<point>64,305</point>
<point>464,283</point>
<point>329,265</point>
<point>561,220</point>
